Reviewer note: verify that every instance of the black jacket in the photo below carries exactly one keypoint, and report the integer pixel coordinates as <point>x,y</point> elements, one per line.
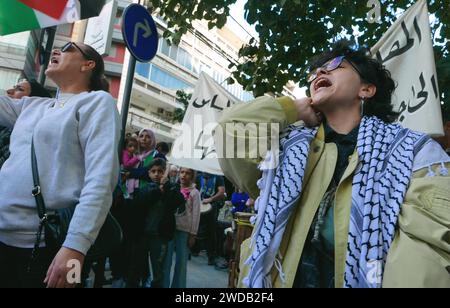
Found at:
<point>160,208</point>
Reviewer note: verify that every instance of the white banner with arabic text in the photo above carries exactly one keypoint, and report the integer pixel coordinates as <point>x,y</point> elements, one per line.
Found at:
<point>407,52</point>
<point>195,147</point>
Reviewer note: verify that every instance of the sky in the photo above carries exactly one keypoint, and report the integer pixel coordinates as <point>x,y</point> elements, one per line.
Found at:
<point>237,12</point>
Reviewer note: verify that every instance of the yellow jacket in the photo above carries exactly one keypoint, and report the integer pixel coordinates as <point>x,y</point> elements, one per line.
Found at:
<point>420,253</point>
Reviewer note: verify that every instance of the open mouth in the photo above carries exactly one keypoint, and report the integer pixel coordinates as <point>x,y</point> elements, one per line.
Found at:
<point>322,83</point>
<point>53,60</point>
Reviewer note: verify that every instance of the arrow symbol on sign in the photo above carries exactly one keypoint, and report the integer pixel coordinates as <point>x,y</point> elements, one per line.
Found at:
<point>145,27</point>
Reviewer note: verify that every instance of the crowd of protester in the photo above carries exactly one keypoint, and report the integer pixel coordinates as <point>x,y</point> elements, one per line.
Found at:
<point>169,214</point>
<point>166,211</point>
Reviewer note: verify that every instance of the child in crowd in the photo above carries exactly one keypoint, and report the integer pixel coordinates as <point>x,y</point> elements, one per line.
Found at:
<point>186,230</point>
<point>129,157</point>
<point>163,200</point>
<point>129,160</point>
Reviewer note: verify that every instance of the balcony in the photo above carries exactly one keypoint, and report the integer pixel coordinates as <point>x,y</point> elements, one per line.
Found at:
<point>146,92</point>
<point>164,131</point>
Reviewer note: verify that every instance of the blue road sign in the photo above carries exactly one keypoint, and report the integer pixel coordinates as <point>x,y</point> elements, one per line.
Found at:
<point>139,32</point>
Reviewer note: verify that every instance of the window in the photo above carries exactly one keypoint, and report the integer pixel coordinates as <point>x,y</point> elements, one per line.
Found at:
<point>218,77</point>
<point>185,59</point>
<point>181,56</point>
<point>118,18</point>
<point>166,79</point>
<point>113,50</point>
<point>137,107</point>
<point>188,62</point>
<point>143,69</point>
<point>205,68</point>
<point>195,66</point>
<point>160,42</point>
<point>165,47</point>
<point>65,30</point>
<point>173,52</point>
<point>178,54</point>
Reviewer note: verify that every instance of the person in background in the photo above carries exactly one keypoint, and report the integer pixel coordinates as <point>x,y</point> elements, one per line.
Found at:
<point>162,201</point>
<point>162,149</point>
<point>23,88</point>
<point>212,191</point>
<point>27,88</point>
<point>239,200</point>
<point>133,217</point>
<point>174,174</point>
<point>147,152</point>
<point>187,223</point>
<point>130,160</point>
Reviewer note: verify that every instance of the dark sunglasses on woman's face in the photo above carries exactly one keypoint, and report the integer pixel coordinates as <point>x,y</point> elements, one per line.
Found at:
<point>71,45</point>
<point>330,66</point>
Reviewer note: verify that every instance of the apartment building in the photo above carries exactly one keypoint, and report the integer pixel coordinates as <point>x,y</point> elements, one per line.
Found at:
<point>153,99</point>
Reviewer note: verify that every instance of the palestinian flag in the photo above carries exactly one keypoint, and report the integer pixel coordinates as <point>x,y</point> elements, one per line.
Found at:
<point>23,15</point>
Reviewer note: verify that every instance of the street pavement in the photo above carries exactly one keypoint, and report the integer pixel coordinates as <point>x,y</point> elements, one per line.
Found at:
<point>199,274</point>
<point>202,275</point>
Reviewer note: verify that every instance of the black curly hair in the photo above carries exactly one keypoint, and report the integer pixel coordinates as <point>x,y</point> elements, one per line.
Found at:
<point>371,72</point>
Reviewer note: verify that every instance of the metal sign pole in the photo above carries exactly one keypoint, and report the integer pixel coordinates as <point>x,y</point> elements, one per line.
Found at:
<point>126,98</point>
<point>141,38</point>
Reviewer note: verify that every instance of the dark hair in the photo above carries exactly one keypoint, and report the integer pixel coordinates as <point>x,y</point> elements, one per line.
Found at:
<point>37,89</point>
<point>98,81</point>
<point>164,147</point>
<point>371,71</point>
<point>194,173</point>
<point>158,162</point>
<point>129,140</point>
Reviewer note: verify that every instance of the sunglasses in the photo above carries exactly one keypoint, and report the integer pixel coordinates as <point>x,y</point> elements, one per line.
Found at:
<point>330,66</point>
<point>71,45</point>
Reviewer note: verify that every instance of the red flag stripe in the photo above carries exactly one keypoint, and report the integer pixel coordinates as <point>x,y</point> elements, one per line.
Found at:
<point>53,8</point>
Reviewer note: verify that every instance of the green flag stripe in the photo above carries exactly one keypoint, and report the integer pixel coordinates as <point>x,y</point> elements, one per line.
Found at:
<point>16,17</point>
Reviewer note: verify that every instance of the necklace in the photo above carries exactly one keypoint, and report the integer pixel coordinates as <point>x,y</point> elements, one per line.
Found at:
<point>63,99</point>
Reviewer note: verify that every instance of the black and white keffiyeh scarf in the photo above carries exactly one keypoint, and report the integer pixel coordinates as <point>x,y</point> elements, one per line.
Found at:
<point>386,154</point>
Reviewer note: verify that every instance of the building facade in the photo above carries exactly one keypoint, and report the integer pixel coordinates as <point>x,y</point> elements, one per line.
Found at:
<point>153,99</point>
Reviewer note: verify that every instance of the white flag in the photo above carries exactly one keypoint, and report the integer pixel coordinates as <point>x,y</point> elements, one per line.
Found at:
<point>195,147</point>
<point>407,52</point>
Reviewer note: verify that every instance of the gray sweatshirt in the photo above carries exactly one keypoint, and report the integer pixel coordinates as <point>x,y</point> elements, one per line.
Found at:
<point>76,139</point>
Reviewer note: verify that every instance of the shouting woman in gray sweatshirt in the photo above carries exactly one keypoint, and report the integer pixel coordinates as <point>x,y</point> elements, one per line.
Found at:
<point>75,138</point>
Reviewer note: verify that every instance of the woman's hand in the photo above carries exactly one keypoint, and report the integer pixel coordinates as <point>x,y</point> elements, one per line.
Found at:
<point>60,267</point>
<point>164,180</point>
<point>306,112</point>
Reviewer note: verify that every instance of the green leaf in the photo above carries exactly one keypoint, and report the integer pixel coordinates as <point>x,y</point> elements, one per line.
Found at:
<point>290,32</point>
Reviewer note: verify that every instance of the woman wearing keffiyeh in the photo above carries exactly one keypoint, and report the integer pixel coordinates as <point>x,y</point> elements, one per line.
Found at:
<point>354,200</point>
